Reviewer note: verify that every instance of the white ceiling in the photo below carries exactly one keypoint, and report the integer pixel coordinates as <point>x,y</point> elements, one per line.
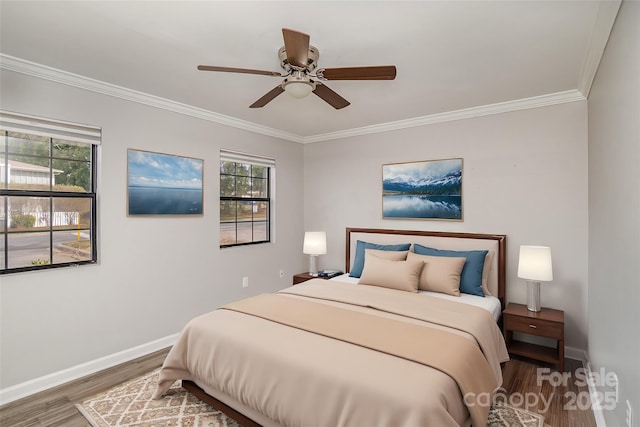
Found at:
<point>450,55</point>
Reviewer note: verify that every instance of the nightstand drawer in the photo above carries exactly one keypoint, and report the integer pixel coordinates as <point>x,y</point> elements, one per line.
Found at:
<point>534,326</point>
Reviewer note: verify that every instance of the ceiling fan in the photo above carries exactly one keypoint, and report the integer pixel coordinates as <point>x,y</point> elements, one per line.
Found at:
<point>299,61</point>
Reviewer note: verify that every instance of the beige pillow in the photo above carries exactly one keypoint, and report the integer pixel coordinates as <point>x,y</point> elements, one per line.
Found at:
<point>400,275</point>
<point>440,274</point>
<point>485,273</point>
<point>392,255</point>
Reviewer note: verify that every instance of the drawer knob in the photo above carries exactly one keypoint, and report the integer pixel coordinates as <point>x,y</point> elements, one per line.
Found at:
<point>533,326</point>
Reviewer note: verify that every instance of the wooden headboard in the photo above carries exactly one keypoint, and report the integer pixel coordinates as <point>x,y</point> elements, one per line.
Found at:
<point>439,240</point>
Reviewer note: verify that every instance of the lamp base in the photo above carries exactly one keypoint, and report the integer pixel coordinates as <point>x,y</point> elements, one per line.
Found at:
<point>313,265</point>
<point>533,296</point>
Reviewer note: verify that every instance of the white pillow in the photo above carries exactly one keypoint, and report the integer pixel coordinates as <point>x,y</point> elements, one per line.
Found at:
<point>400,275</point>
<point>440,274</point>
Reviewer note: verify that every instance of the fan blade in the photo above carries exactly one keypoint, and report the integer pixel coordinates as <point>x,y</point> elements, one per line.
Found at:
<point>268,97</point>
<point>329,96</point>
<point>297,46</point>
<point>383,72</point>
<point>238,70</point>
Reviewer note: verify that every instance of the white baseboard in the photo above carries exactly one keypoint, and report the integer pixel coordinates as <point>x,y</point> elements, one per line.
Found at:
<point>575,354</point>
<point>593,392</point>
<point>36,385</point>
<point>583,356</point>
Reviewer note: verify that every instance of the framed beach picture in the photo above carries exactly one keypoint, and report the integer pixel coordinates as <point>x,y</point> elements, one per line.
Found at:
<point>422,190</point>
<point>163,184</point>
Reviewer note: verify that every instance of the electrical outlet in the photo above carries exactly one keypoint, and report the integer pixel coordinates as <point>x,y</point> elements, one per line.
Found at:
<point>629,415</point>
<point>245,282</point>
<point>281,273</point>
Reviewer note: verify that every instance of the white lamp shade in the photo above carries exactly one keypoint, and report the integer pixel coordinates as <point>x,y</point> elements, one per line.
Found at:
<point>535,263</point>
<point>298,89</point>
<point>315,243</point>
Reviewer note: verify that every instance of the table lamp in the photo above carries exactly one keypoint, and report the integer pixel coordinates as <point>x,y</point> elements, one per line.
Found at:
<point>534,265</point>
<point>315,243</point>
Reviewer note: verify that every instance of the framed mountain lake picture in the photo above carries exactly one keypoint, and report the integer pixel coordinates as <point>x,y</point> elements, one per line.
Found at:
<point>429,189</point>
<point>163,184</point>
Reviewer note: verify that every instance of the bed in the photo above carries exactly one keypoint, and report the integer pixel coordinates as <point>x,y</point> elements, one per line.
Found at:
<point>372,347</point>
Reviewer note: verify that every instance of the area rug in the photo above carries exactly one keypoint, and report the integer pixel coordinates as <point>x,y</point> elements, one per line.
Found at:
<point>507,416</point>
<point>130,405</point>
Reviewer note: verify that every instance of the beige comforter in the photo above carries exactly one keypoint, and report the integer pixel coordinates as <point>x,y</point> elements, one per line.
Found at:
<point>297,378</point>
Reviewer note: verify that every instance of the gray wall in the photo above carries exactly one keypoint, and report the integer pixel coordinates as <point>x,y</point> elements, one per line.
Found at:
<point>524,175</point>
<point>154,274</point>
<point>614,212</point>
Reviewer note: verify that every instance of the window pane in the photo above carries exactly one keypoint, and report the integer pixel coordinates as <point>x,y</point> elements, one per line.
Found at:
<point>245,215</point>
<point>227,233</point>
<point>259,187</point>
<point>69,175</point>
<point>243,186</point>
<point>71,150</point>
<point>227,185</point>
<point>28,213</point>
<point>227,211</point>
<point>245,232</point>
<point>22,143</point>
<point>228,168</point>
<point>3,214</point>
<point>28,249</point>
<point>245,211</point>
<point>2,250</point>
<point>3,172</point>
<point>260,211</point>
<point>71,213</point>
<point>243,169</point>
<point>29,173</point>
<point>71,246</point>
<point>227,222</point>
<point>259,171</point>
<point>260,231</point>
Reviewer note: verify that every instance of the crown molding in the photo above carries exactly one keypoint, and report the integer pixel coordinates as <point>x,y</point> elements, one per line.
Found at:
<point>467,113</point>
<point>605,18</point>
<point>22,66</point>
<point>48,73</point>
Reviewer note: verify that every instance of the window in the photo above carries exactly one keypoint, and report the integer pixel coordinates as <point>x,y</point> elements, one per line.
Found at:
<point>47,193</point>
<point>245,199</point>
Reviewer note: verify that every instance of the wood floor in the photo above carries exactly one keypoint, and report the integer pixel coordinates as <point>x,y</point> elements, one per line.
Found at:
<point>56,407</point>
<point>525,389</point>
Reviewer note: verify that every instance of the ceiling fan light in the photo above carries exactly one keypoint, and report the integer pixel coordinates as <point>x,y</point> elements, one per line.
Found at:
<point>299,89</point>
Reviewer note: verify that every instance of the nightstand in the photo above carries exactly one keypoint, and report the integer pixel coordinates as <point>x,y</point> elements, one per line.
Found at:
<point>303,277</point>
<point>546,323</point>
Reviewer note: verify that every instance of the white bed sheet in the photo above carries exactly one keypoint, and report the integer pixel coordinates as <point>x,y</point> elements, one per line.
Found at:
<point>489,303</point>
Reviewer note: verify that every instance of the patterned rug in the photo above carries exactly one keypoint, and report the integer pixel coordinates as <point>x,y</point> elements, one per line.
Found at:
<point>130,405</point>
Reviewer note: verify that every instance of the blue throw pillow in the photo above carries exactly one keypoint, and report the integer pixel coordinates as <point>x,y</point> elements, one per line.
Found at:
<point>358,261</point>
<point>471,276</point>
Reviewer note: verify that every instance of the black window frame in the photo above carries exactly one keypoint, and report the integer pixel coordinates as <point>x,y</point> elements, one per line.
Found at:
<point>239,199</point>
<point>51,195</point>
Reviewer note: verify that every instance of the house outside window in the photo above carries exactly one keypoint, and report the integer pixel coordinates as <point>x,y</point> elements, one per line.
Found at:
<point>245,198</point>
<point>47,193</point>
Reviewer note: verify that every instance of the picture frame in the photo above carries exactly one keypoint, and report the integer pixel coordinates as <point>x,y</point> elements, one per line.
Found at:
<point>163,184</point>
<point>429,190</point>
